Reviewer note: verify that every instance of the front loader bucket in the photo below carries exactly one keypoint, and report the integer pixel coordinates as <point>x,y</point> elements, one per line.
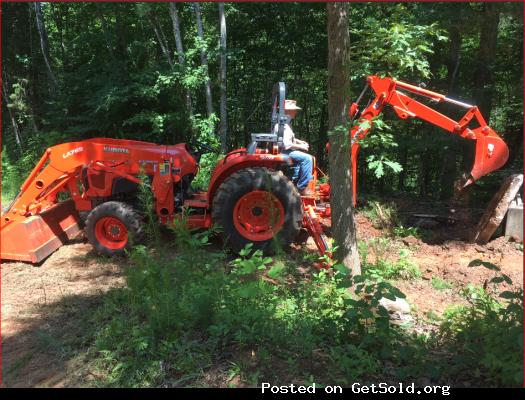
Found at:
<point>491,153</point>
<point>37,236</point>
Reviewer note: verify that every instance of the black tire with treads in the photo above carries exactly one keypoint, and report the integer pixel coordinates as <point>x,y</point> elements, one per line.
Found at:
<point>263,179</point>
<point>125,214</point>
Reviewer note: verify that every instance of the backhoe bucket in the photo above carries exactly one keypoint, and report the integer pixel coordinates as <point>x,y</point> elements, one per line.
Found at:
<point>491,153</point>
<point>37,236</point>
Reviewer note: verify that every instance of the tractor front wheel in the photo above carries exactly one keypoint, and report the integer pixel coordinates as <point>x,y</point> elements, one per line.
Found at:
<point>113,227</point>
<point>260,206</point>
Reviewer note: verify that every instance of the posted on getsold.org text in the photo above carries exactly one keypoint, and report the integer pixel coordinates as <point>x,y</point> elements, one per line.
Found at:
<point>382,387</point>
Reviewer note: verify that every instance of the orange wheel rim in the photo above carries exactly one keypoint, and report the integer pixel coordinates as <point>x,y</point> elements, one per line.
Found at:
<point>110,232</point>
<point>258,215</point>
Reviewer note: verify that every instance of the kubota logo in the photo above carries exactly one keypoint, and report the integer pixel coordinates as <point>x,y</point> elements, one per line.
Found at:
<point>116,149</point>
<point>71,152</point>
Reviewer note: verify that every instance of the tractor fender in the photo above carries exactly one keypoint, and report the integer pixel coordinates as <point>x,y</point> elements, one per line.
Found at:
<point>238,160</point>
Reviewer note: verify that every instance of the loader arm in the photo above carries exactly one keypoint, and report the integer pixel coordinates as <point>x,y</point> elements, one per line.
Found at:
<point>491,151</point>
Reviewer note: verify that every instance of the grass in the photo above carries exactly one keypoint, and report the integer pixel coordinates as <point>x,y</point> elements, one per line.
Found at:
<point>440,284</point>
<point>379,264</point>
<point>14,370</point>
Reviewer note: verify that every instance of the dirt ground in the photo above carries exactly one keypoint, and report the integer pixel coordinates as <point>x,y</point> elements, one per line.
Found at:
<point>42,304</point>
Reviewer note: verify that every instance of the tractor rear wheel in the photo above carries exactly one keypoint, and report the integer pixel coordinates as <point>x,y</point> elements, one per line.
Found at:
<point>113,227</point>
<point>260,206</point>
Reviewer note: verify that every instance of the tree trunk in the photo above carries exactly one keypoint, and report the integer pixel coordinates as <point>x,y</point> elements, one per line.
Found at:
<point>105,30</point>
<point>497,208</point>
<point>454,58</point>
<point>180,50</point>
<point>404,158</point>
<point>16,129</point>
<point>44,44</point>
<point>483,82</point>
<point>343,226</point>
<point>204,59</point>
<point>448,168</point>
<point>160,37</point>
<point>59,21</point>
<point>321,147</point>
<point>224,111</point>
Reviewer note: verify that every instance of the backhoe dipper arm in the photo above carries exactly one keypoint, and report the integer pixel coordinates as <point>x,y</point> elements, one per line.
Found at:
<point>491,150</point>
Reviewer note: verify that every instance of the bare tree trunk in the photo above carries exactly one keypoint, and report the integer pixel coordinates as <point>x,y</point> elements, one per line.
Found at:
<point>59,21</point>
<point>343,226</point>
<point>44,44</point>
<point>105,31</point>
<point>483,82</point>
<point>16,130</point>
<point>224,111</point>
<point>454,58</point>
<point>323,138</point>
<point>180,50</point>
<point>448,168</point>
<point>204,59</point>
<point>497,208</point>
<point>160,37</point>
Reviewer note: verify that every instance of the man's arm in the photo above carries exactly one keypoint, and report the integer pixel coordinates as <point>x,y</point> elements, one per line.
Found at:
<point>300,145</point>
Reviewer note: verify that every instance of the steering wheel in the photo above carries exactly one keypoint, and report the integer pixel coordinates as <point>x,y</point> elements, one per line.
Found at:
<point>197,149</point>
<point>203,147</point>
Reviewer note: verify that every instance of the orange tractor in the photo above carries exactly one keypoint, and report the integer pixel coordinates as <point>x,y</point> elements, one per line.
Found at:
<point>249,196</point>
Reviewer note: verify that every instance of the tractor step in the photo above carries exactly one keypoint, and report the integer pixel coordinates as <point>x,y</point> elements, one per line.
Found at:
<point>38,236</point>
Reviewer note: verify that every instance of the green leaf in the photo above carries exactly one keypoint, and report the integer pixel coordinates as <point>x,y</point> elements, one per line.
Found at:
<point>394,166</point>
<point>508,295</point>
<point>276,271</point>
<point>248,290</point>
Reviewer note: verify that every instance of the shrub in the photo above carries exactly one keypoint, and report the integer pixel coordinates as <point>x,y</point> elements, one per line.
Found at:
<point>486,338</point>
<point>383,267</point>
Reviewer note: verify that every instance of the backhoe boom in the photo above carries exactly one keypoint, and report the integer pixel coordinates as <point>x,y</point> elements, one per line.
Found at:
<point>491,150</point>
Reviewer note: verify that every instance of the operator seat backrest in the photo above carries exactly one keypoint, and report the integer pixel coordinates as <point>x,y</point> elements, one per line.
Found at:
<point>278,117</point>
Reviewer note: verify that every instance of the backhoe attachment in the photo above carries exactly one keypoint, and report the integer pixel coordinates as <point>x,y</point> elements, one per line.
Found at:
<point>491,151</point>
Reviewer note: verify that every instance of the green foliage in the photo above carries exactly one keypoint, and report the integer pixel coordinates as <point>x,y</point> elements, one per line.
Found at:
<point>487,337</point>
<point>440,284</point>
<point>177,314</point>
<point>382,215</point>
<point>114,79</point>
<point>401,231</point>
<point>147,208</point>
<point>204,132</point>
<point>207,164</point>
<point>381,144</point>
<point>383,267</point>
<point>399,44</point>
<point>386,216</point>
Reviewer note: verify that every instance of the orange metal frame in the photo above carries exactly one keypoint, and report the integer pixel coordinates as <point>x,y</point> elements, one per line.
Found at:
<point>491,151</point>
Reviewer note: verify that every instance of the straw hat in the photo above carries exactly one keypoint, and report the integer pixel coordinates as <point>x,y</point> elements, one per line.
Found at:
<point>291,105</point>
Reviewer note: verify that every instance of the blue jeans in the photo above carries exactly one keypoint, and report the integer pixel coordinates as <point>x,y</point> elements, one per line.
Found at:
<point>302,167</point>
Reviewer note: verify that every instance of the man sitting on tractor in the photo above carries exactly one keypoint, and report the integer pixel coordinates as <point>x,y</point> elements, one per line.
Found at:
<point>296,149</point>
